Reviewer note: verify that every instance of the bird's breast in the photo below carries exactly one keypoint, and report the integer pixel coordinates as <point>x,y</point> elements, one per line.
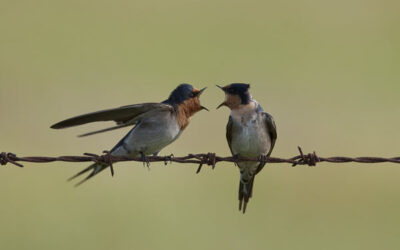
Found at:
<point>249,137</point>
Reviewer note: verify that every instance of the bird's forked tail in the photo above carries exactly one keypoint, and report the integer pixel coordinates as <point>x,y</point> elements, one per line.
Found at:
<point>245,192</point>
<point>95,168</point>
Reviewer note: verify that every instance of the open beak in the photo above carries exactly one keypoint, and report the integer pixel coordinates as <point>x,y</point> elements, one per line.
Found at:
<point>222,88</point>
<point>201,91</point>
<point>202,107</point>
<point>198,93</point>
<point>222,104</point>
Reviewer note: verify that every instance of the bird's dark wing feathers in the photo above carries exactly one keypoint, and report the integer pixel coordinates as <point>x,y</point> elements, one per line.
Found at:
<point>229,133</point>
<point>123,116</point>
<point>269,126</point>
<point>271,129</point>
<point>107,129</point>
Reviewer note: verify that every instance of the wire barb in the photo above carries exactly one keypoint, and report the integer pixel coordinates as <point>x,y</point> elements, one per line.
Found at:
<point>211,160</point>
<point>107,159</point>
<point>9,158</point>
<point>310,159</point>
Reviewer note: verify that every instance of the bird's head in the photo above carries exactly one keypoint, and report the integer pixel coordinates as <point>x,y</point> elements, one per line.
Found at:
<point>187,97</point>
<point>236,94</point>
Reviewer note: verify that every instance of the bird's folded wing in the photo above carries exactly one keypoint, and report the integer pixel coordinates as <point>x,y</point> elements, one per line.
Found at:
<point>229,133</point>
<point>124,115</point>
<point>271,129</point>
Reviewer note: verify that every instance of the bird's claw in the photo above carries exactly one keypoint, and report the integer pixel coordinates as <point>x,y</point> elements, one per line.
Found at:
<point>236,159</point>
<point>145,160</point>
<point>263,159</point>
<point>169,159</point>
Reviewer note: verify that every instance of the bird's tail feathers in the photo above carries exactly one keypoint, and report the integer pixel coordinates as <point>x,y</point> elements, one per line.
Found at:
<point>245,192</point>
<point>95,168</point>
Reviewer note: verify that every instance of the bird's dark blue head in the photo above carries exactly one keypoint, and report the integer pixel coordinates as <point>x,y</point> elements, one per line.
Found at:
<point>183,94</point>
<point>236,94</point>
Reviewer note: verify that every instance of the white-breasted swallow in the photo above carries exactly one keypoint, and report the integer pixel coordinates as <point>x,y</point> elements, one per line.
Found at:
<point>250,133</point>
<point>156,125</point>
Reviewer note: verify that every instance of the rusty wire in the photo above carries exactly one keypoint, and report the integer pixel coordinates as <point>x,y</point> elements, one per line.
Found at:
<point>210,159</point>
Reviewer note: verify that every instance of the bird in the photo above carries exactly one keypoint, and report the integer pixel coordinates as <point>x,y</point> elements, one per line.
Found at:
<point>250,133</point>
<point>156,125</point>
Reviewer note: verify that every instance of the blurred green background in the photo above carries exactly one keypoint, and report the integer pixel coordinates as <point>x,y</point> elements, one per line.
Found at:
<point>328,71</point>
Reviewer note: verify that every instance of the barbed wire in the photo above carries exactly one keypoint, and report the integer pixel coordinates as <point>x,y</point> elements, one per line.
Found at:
<point>211,159</point>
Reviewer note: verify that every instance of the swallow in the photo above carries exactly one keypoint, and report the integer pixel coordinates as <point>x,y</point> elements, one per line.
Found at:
<point>250,133</point>
<point>156,125</point>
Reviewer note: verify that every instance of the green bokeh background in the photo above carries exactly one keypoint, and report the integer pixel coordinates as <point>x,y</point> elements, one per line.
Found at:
<point>328,71</point>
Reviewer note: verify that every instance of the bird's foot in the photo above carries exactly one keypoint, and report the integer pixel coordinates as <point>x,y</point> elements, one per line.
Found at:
<point>168,159</point>
<point>145,160</point>
<point>236,159</point>
<point>263,159</point>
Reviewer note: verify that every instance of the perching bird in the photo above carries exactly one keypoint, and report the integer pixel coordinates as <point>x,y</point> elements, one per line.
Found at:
<point>156,125</point>
<point>250,132</point>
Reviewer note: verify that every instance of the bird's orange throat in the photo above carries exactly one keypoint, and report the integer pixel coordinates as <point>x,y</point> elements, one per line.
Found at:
<point>186,109</point>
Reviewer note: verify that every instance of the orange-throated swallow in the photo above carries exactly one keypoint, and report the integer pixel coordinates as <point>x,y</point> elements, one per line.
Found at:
<point>250,132</point>
<point>156,125</point>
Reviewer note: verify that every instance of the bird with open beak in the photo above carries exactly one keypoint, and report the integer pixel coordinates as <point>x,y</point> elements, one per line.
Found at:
<point>250,133</point>
<point>156,125</point>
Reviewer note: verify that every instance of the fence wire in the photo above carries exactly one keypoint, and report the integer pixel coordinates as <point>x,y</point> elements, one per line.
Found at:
<point>211,159</point>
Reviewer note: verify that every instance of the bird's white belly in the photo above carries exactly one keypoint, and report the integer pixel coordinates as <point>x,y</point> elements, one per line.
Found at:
<point>249,144</point>
<point>250,139</point>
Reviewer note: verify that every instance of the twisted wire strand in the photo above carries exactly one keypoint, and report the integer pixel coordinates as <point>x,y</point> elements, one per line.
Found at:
<point>211,159</point>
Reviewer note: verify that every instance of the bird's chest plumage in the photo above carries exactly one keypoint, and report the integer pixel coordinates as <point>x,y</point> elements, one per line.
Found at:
<point>249,136</point>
